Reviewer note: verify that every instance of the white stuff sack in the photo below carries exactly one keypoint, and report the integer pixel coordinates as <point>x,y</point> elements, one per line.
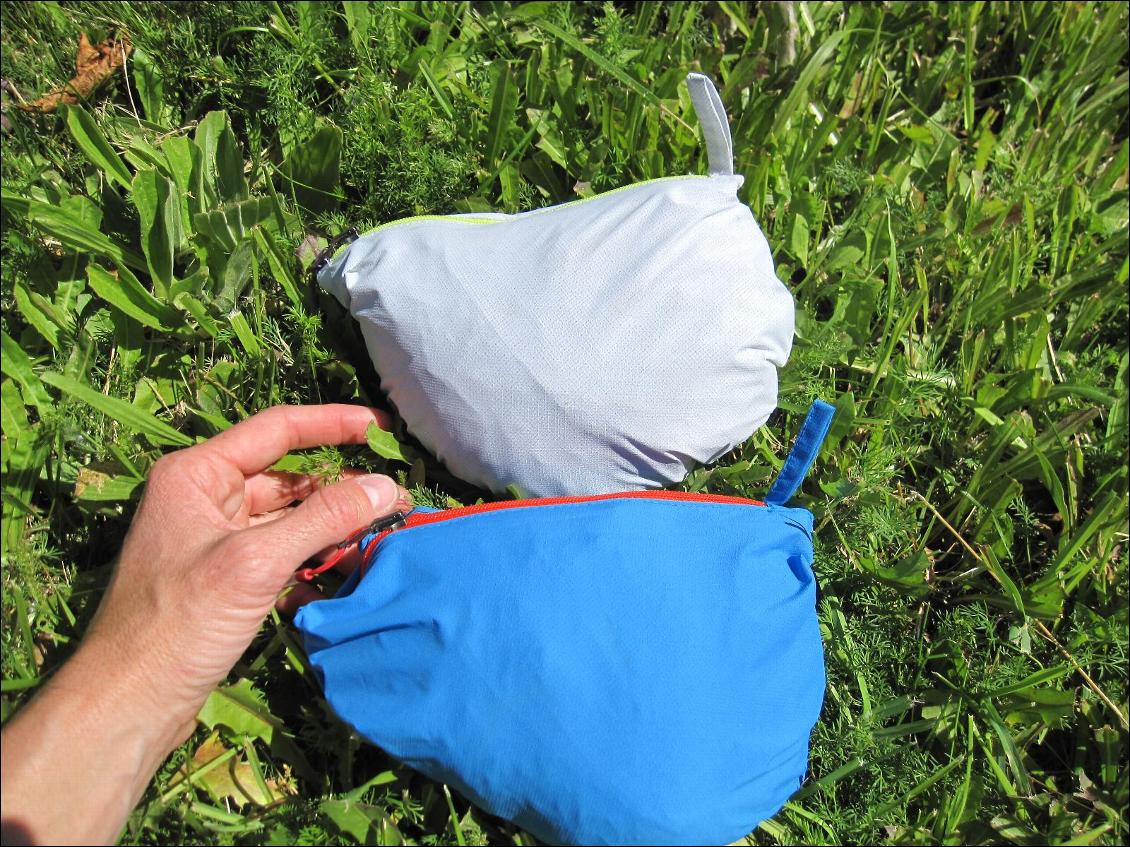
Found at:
<point>609,344</point>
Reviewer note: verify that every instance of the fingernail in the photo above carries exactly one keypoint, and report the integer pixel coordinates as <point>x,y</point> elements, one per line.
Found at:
<point>382,491</point>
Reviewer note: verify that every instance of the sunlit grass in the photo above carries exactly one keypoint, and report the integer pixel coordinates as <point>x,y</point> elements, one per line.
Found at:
<point>945,190</point>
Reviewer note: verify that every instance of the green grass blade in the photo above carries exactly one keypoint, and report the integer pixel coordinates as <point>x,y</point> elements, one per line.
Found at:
<point>93,143</point>
<point>158,432</point>
<point>503,110</point>
<point>124,292</point>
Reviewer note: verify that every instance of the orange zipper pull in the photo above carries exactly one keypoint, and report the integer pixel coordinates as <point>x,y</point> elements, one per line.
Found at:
<point>381,525</point>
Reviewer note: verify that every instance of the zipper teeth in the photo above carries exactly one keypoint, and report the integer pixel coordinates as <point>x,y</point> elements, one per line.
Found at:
<point>450,514</point>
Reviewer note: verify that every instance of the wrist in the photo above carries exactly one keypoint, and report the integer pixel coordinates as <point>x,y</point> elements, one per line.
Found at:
<point>120,695</point>
<point>79,756</point>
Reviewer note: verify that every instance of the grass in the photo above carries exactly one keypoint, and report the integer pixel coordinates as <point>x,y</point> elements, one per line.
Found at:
<point>945,189</point>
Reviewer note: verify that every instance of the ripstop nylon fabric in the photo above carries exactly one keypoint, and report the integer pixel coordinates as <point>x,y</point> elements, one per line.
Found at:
<point>626,671</point>
<point>609,344</point>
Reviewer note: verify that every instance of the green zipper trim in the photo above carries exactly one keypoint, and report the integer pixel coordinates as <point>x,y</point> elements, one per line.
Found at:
<point>413,219</point>
<point>473,220</point>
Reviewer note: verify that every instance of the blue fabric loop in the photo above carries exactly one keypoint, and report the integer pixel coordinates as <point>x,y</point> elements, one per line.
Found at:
<point>804,452</point>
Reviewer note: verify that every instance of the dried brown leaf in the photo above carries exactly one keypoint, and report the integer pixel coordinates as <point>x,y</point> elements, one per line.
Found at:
<point>90,476</point>
<point>94,64</point>
<point>233,780</point>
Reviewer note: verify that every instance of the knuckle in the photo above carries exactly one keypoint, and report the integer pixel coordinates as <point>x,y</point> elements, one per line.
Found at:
<point>166,471</point>
<point>163,467</point>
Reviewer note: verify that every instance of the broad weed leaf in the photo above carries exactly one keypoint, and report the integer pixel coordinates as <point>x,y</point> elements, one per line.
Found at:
<point>204,180</point>
<point>155,197</point>
<point>157,432</point>
<point>242,709</point>
<point>94,145</point>
<point>234,277</point>
<point>226,776</point>
<point>232,222</point>
<point>230,182</point>
<point>180,153</point>
<point>150,88</point>
<point>364,823</point>
<point>126,293</point>
<point>384,444</point>
<point>503,111</point>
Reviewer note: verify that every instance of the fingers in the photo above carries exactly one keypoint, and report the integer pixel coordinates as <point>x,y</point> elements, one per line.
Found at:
<point>326,517</point>
<point>258,442</point>
<point>270,490</point>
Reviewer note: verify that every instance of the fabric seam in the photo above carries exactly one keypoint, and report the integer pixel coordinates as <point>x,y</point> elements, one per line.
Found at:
<point>473,220</point>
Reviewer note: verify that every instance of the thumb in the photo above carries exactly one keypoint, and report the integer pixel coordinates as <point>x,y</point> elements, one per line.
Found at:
<point>330,515</point>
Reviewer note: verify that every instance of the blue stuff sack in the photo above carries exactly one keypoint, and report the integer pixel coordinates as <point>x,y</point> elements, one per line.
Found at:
<point>643,667</point>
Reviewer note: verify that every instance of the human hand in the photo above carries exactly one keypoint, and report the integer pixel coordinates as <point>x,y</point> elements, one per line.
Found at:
<point>214,541</point>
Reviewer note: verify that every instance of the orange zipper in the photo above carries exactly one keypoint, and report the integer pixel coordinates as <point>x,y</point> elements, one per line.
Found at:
<point>447,514</point>
<point>385,526</point>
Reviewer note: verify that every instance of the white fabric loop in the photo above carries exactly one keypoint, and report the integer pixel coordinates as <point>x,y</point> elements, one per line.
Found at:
<point>715,126</point>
